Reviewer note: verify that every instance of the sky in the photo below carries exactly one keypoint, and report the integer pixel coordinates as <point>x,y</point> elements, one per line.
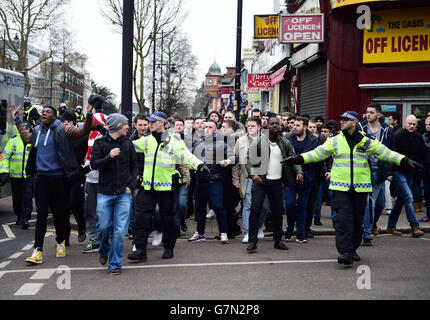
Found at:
<point>210,26</point>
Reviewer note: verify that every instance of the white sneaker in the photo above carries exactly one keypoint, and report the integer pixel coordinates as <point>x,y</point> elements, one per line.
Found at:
<point>157,238</point>
<point>197,238</point>
<point>224,238</point>
<point>134,248</point>
<point>245,239</point>
<point>260,234</point>
<point>210,214</point>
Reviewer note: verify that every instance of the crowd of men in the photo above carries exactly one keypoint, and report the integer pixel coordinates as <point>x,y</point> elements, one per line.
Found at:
<point>153,177</point>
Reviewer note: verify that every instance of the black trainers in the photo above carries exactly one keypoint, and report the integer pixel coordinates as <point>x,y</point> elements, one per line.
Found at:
<point>355,257</point>
<point>309,234</point>
<point>82,236</point>
<point>252,248</point>
<point>138,256</point>
<point>367,242</point>
<point>289,235</point>
<point>345,259</point>
<point>91,248</point>
<point>168,254</point>
<point>317,222</point>
<point>25,224</point>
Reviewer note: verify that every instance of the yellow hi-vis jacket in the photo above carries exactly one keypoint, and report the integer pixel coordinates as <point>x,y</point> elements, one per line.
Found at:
<point>14,158</point>
<point>351,167</point>
<point>161,159</point>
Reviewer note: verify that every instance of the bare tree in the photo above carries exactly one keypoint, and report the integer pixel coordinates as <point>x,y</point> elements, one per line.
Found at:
<point>179,85</point>
<point>168,14</point>
<point>27,20</point>
<point>62,44</point>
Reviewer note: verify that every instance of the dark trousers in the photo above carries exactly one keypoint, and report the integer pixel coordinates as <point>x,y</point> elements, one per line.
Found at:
<point>50,192</point>
<point>350,208</point>
<point>273,190</point>
<point>231,199</point>
<point>146,202</point>
<point>312,201</point>
<point>191,192</point>
<point>22,197</point>
<point>76,206</point>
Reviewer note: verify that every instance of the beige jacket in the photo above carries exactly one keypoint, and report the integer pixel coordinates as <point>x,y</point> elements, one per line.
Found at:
<point>240,175</point>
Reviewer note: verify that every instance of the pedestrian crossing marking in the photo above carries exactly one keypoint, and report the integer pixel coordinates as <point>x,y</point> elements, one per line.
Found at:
<point>16,255</point>
<point>44,274</point>
<point>29,289</point>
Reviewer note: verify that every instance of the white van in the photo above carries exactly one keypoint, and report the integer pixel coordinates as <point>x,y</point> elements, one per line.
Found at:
<point>12,86</point>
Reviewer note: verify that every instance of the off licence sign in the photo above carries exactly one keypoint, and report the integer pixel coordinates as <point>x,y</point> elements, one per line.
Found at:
<point>266,26</point>
<point>307,28</point>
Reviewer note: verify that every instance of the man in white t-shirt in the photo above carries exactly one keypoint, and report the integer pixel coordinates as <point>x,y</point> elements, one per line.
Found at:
<point>264,167</point>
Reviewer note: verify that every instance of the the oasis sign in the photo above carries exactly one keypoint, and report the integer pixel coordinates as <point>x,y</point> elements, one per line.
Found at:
<point>398,36</point>
<point>341,3</point>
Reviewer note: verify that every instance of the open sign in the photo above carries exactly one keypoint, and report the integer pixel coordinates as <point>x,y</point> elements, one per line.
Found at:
<point>307,28</point>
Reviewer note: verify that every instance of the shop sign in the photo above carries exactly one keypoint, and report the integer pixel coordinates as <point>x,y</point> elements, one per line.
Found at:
<point>259,82</point>
<point>305,28</point>
<point>341,3</point>
<point>278,76</point>
<point>398,36</point>
<point>253,97</point>
<point>266,26</point>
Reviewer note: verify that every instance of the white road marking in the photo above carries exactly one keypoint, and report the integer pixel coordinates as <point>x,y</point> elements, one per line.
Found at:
<point>29,289</point>
<point>43,274</point>
<point>5,240</point>
<point>16,255</point>
<point>28,247</point>
<point>2,273</point>
<point>183,265</point>
<point>8,231</point>
<point>4,264</point>
<point>425,239</point>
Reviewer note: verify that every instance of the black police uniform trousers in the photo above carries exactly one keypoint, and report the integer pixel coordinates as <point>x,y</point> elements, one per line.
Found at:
<point>145,209</point>
<point>350,207</point>
<point>22,197</point>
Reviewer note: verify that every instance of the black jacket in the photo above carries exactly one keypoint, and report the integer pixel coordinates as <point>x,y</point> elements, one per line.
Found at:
<point>387,139</point>
<point>426,138</point>
<point>115,174</point>
<point>412,146</point>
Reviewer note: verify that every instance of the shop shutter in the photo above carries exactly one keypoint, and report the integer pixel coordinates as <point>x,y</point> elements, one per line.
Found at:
<point>313,88</point>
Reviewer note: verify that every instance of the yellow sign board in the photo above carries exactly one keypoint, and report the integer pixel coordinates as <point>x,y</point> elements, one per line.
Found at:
<point>398,36</point>
<point>266,26</point>
<point>341,3</point>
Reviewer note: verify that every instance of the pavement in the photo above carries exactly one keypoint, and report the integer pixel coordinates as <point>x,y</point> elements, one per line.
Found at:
<point>326,228</point>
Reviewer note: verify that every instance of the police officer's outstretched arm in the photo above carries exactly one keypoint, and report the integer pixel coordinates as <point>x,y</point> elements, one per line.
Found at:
<point>380,151</point>
<point>184,156</point>
<point>319,154</point>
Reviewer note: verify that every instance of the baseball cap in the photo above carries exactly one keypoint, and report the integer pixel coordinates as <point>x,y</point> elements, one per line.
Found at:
<point>350,115</point>
<point>158,116</point>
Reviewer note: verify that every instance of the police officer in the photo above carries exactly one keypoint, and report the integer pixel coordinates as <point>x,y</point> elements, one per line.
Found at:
<point>80,117</point>
<point>162,152</point>
<point>350,179</point>
<point>61,109</point>
<point>12,166</point>
<point>31,114</point>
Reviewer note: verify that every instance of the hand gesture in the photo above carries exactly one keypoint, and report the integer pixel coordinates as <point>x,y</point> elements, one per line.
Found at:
<point>115,153</point>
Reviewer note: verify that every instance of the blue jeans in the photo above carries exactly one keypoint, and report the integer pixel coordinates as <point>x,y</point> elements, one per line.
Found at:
<point>246,211</point>
<point>416,189</point>
<point>181,205</point>
<point>404,198</point>
<point>378,191</point>
<point>296,204</point>
<point>113,213</point>
<point>211,192</point>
